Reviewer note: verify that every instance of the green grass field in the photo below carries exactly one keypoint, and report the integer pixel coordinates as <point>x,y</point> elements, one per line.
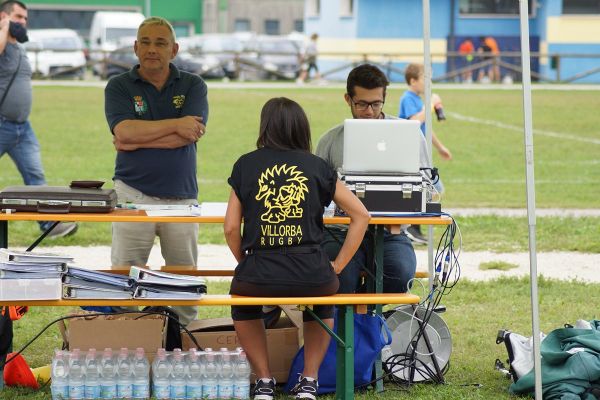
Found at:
<point>487,170</point>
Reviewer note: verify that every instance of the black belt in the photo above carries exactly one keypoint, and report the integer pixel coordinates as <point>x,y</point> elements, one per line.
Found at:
<point>307,249</point>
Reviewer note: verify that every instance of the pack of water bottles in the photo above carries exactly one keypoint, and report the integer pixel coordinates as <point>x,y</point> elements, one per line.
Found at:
<point>206,374</point>
<point>100,375</point>
<point>193,374</point>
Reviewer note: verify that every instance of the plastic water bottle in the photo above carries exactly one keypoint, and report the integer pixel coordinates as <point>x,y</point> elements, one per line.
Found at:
<point>161,371</point>
<point>124,377</point>
<point>60,377</point>
<point>193,386</point>
<point>242,371</point>
<point>92,375</point>
<point>210,385</point>
<point>76,376</point>
<point>226,376</point>
<point>108,382</point>
<point>141,375</point>
<point>178,376</point>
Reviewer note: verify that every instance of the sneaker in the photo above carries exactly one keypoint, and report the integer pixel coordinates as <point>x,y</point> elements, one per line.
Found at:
<point>271,315</point>
<point>264,389</point>
<point>414,234</point>
<point>306,388</point>
<point>63,229</point>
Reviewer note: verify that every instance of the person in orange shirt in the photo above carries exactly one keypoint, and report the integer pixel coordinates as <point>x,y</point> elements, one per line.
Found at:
<point>466,50</point>
<point>489,50</point>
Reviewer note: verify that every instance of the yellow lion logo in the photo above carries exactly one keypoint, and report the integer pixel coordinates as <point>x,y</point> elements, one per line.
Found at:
<point>281,188</point>
<point>178,101</point>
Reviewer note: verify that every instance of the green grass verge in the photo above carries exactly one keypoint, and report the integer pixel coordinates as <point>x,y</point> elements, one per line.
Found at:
<point>475,312</point>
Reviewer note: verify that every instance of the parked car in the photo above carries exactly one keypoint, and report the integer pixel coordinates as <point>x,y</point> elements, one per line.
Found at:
<point>222,47</point>
<point>56,53</point>
<point>278,56</point>
<point>122,59</point>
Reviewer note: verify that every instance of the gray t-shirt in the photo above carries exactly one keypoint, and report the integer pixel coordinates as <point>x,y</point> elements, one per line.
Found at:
<point>17,104</point>
<point>331,147</point>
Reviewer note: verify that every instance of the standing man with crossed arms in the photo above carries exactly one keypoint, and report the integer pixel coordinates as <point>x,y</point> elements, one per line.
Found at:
<point>156,114</point>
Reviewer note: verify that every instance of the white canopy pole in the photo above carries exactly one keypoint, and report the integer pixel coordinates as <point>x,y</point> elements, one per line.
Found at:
<point>530,186</point>
<point>428,132</point>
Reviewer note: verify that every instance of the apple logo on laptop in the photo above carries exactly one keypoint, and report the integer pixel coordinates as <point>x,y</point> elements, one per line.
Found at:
<point>381,146</point>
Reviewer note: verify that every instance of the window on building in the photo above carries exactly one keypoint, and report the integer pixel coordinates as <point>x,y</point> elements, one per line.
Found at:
<point>346,8</point>
<point>493,7</point>
<point>79,20</point>
<point>581,6</point>
<point>299,25</point>
<point>313,8</point>
<point>241,25</point>
<point>272,27</point>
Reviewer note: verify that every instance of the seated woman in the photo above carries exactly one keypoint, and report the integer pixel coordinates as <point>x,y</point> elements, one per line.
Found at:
<point>280,191</point>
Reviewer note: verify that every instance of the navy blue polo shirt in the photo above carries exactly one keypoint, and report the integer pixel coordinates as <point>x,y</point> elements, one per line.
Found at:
<point>166,173</point>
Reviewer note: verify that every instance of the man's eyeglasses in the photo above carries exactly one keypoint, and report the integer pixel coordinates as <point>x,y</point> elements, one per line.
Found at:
<point>363,105</point>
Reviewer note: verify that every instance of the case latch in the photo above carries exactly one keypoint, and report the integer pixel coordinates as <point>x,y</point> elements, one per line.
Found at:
<point>407,189</point>
<point>360,188</point>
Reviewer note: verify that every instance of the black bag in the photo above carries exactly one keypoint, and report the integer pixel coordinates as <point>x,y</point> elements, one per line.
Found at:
<point>173,326</point>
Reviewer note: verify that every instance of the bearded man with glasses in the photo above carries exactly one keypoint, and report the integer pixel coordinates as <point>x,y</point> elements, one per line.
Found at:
<point>365,95</point>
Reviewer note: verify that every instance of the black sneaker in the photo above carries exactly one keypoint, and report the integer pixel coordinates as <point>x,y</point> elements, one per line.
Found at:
<point>306,388</point>
<point>264,389</point>
<point>63,229</point>
<point>414,234</point>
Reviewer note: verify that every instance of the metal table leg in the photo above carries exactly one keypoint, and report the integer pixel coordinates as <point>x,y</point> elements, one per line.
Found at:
<point>345,354</point>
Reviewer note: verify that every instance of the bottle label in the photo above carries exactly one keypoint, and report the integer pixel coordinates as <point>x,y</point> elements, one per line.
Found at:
<point>108,391</point>
<point>76,391</point>
<point>241,391</point>
<point>194,391</point>
<point>60,392</point>
<point>210,391</point>
<point>178,391</point>
<point>225,391</point>
<point>124,390</point>
<point>92,391</point>
<point>162,391</point>
<point>141,390</point>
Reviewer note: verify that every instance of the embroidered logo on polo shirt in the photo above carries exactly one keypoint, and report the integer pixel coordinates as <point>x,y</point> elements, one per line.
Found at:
<point>140,105</point>
<point>178,101</point>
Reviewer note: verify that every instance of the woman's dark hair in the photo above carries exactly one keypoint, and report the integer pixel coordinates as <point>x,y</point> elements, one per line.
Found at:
<point>284,126</point>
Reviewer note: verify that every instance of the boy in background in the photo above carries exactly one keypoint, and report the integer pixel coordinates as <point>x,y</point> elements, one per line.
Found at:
<point>411,107</point>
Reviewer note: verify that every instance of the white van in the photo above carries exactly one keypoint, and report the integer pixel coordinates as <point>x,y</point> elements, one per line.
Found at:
<point>56,53</point>
<point>109,27</point>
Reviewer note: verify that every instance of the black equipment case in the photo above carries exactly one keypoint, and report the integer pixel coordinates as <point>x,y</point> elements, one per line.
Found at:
<point>389,194</point>
<point>80,197</point>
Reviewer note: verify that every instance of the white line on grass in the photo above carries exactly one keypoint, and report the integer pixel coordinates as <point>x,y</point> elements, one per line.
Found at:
<point>540,132</point>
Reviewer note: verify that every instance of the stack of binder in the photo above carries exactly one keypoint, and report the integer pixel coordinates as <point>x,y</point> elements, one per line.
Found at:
<point>79,283</point>
<point>162,285</point>
<point>31,276</point>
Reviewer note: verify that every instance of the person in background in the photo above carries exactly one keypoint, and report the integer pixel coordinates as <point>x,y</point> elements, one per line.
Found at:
<point>466,50</point>
<point>365,96</point>
<point>16,134</point>
<point>156,114</point>
<point>412,107</point>
<point>489,50</point>
<point>280,190</point>
<point>309,60</point>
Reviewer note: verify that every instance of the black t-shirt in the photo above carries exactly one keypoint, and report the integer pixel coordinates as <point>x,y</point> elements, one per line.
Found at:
<point>283,194</point>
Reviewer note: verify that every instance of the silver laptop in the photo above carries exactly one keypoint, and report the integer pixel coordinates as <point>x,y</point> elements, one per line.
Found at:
<point>385,146</point>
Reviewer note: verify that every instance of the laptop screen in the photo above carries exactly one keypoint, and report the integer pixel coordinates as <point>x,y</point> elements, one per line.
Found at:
<point>381,146</point>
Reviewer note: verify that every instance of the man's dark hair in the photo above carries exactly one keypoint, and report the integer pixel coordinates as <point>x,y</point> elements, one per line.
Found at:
<point>7,6</point>
<point>366,76</point>
<point>284,126</point>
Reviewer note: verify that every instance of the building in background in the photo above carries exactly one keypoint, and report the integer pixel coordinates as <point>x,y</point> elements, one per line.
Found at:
<point>185,15</point>
<point>269,17</point>
<point>390,32</point>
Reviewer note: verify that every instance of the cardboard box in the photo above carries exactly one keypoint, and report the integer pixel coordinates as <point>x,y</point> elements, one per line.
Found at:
<point>283,340</point>
<point>116,331</point>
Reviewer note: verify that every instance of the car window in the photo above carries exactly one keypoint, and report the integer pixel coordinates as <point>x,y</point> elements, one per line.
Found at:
<point>221,44</point>
<point>61,43</point>
<point>280,46</point>
<point>114,34</point>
